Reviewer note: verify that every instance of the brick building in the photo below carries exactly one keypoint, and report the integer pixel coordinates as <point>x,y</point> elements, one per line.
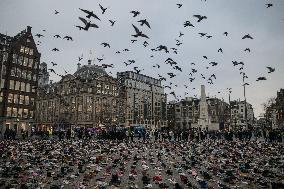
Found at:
<point>19,58</point>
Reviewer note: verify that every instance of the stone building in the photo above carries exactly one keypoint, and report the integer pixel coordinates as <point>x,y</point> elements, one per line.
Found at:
<point>19,58</point>
<point>88,98</point>
<point>143,100</point>
<point>182,114</point>
<point>239,120</point>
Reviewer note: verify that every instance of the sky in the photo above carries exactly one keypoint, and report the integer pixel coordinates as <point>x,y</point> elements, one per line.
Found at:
<point>237,17</point>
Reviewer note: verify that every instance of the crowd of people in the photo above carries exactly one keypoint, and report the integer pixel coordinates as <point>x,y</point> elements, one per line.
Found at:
<point>158,159</point>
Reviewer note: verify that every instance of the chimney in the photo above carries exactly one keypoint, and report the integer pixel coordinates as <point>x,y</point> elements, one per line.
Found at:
<point>29,29</point>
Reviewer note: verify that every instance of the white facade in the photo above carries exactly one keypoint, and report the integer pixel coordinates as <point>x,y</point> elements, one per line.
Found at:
<point>238,118</point>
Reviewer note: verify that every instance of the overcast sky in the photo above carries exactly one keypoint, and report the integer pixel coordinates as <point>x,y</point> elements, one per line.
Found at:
<point>237,17</point>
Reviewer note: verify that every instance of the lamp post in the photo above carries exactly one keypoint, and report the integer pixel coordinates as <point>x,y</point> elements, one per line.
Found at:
<point>245,99</point>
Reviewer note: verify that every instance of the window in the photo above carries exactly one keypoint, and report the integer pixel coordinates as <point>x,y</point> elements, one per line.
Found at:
<point>32,101</point>
<point>14,112</point>
<point>31,114</point>
<point>22,50</point>
<point>24,74</point>
<point>2,83</point>
<point>4,70</point>
<point>89,90</point>
<point>26,60</point>
<point>31,62</point>
<point>16,99</point>
<point>25,113</point>
<point>18,72</point>
<point>22,86</point>
<point>5,57</point>
<point>80,107</point>
<point>20,112</point>
<point>31,52</point>
<point>35,64</point>
<point>27,49</point>
<point>28,87</point>
<point>20,60</point>
<point>17,85</point>
<point>1,96</point>
<point>98,91</point>
<point>11,84</point>
<point>9,111</point>
<point>29,75</point>
<point>106,86</point>
<point>27,100</point>
<point>15,56</point>
<point>13,70</point>
<point>34,77</point>
<point>10,98</point>
<point>21,100</point>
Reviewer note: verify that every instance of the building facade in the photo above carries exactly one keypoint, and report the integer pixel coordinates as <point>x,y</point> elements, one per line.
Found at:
<point>182,114</point>
<point>274,114</point>
<point>88,98</point>
<point>19,59</point>
<point>143,100</point>
<point>239,120</point>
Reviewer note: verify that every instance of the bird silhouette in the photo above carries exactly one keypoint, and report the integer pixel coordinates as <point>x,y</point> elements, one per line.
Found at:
<point>193,70</point>
<point>199,17</point>
<point>112,22</point>
<point>55,49</point>
<point>209,36</point>
<point>213,63</point>
<point>105,45</point>
<point>117,52</point>
<point>187,24</point>
<point>53,64</point>
<point>163,47</point>
<point>137,70</point>
<point>269,5</point>
<point>169,87</point>
<point>178,68</point>
<point>52,70</point>
<point>103,9</point>
<point>205,57</point>
<point>39,35</point>
<point>68,38</point>
<point>139,33</point>
<point>157,65</point>
<point>179,5</point>
<point>133,40</point>
<point>270,69</point>
<point>261,79</point>
<point>247,49</point>
<point>90,14</point>
<point>192,63</point>
<point>144,21</point>
<point>213,75</point>
<point>135,13</point>
<point>202,34</point>
<point>180,34</point>
<point>125,50</point>
<point>80,27</point>
<point>100,59</point>
<point>145,44</point>
<point>247,36</point>
<point>245,84</point>
<point>57,36</point>
<point>107,65</point>
<point>220,50</point>
<point>171,75</point>
<point>88,24</point>
<point>56,12</point>
<point>80,58</point>
<point>225,33</point>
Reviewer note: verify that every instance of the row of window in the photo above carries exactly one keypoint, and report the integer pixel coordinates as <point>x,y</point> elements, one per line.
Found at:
<point>20,99</point>
<point>24,61</point>
<point>26,50</point>
<point>25,74</point>
<point>20,86</point>
<point>19,112</point>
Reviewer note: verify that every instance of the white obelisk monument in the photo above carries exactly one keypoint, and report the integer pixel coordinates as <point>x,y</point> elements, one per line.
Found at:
<point>204,121</point>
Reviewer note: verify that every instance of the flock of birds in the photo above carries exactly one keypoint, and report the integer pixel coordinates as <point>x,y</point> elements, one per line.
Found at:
<point>90,20</point>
